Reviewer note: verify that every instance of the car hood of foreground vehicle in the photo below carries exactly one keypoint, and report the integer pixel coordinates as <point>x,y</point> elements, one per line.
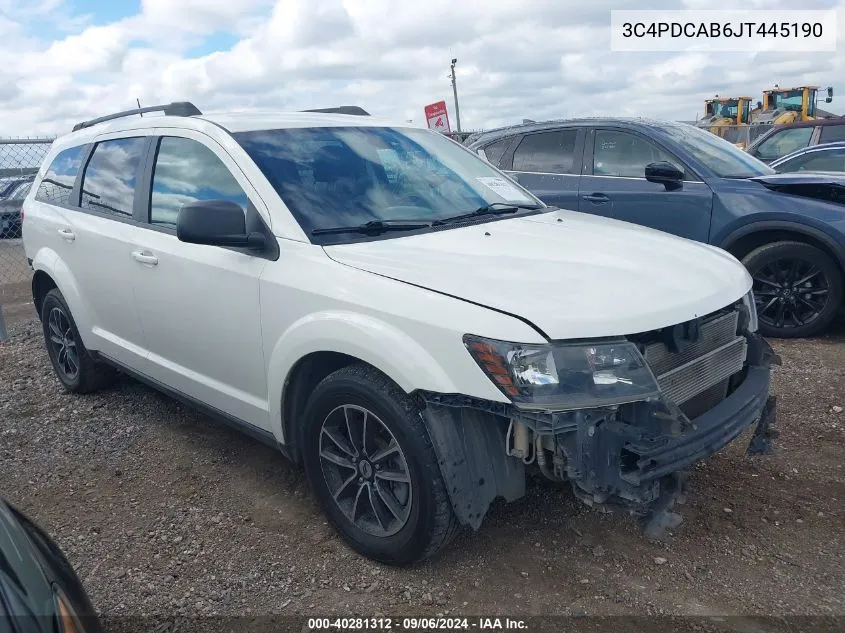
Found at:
<point>570,274</point>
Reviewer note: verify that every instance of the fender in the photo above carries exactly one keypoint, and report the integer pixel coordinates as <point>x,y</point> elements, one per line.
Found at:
<point>49,262</point>
<point>785,225</point>
<point>373,341</point>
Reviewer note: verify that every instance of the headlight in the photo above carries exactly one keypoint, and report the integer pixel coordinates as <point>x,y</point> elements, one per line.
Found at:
<point>751,307</point>
<point>565,375</point>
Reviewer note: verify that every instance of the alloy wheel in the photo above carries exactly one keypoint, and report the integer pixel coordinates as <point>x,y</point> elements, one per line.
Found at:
<point>63,343</point>
<point>790,293</point>
<point>365,470</point>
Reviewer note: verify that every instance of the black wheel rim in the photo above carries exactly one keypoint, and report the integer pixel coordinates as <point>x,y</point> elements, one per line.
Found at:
<point>365,470</point>
<point>63,344</point>
<point>790,293</point>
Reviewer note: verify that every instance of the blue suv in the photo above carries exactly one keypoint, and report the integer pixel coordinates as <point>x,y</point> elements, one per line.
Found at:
<point>788,229</point>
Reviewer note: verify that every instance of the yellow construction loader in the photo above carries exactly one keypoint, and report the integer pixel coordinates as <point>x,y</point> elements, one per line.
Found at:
<point>726,117</point>
<point>782,106</point>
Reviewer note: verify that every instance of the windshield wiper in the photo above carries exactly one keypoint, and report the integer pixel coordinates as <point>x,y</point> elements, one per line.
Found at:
<point>374,227</point>
<point>495,208</point>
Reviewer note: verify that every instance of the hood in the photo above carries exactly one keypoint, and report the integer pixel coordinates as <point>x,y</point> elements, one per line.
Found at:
<point>570,274</point>
<point>818,186</point>
<point>801,178</point>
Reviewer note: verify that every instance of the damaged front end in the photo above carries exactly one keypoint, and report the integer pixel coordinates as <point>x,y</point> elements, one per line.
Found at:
<point>712,376</point>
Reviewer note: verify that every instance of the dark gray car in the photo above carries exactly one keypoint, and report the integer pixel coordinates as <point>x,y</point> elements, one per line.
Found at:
<point>10,208</point>
<point>828,157</point>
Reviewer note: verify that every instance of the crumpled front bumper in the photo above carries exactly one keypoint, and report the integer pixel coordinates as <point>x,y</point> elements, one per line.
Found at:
<point>634,460</point>
<point>708,433</point>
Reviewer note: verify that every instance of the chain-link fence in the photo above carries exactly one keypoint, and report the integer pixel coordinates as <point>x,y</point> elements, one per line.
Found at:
<point>20,159</point>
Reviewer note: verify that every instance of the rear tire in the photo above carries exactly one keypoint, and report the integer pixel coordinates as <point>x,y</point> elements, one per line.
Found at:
<point>372,466</point>
<point>798,289</point>
<point>74,366</point>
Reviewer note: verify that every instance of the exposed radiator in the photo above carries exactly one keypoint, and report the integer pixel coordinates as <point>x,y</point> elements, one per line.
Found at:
<point>715,356</point>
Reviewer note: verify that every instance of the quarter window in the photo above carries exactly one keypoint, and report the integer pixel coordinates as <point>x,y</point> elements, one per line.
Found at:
<point>549,152</point>
<point>58,182</point>
<point>496,150</point>
<point>187,171</point>
<point>626,155</point>
<point>108,185</point>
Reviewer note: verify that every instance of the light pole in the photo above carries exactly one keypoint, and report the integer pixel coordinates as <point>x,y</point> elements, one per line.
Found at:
<point>455,91</point>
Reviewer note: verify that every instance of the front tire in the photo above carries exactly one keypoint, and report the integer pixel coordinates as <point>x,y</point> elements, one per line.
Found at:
<point>75,368</point>
<point>797,287</point>
<point>373,469</point>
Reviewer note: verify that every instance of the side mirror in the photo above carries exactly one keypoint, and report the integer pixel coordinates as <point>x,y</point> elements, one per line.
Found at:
<point>664,173</point>
<point>215,223</point>
<point>829,97</point>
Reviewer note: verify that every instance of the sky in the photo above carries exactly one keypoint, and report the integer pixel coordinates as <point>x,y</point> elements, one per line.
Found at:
<point>68,60</point>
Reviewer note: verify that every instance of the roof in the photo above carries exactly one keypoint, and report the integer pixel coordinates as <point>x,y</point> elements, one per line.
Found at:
<point>231,121</point>
<point>640,122</point>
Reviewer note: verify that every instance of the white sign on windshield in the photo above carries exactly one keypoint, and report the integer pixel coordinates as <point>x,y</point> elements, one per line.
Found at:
<point>503,188</point>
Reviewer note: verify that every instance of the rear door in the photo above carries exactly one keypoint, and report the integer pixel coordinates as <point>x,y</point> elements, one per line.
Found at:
<point>548,163</point>
<point>199,305</point>
<point>93,228</point>
<point>613,185</point>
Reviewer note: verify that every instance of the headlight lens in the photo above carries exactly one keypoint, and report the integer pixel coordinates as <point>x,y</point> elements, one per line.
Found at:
<point>565,375</point>
<point>751,306</point>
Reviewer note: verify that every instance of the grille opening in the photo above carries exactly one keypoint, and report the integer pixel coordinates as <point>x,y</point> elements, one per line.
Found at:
<point>701,373</point>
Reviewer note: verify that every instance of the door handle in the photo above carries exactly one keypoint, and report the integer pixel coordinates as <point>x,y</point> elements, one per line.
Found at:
<point>67,235</point>
<point>596,198</point>
<point>145,257</point>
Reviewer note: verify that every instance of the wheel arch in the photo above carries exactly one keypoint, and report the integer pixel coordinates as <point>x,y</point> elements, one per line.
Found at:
<point>51,272</point>
<point>745,239</point>
<point>319,344</point>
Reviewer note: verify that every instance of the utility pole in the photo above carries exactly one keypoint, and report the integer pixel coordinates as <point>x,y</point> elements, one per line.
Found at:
<point>455,91</point>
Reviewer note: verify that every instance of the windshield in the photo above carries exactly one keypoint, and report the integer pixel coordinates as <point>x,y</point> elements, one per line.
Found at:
<point>789,100</point>
<point>723,158</point>
<point>727,109</point>
<point>347,176</point>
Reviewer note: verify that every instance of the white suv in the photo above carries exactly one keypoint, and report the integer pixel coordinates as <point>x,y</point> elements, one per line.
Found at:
<point>392,312</point>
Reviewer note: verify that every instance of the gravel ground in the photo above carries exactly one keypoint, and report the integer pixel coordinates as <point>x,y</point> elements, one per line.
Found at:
<point>163,511</point>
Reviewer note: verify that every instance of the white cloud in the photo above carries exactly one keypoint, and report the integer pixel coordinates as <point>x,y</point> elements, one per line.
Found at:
<point>516,59</point>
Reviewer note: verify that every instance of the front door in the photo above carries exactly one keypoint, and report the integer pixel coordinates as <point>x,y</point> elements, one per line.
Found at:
<point>614,185</point>
<point>199,305</point>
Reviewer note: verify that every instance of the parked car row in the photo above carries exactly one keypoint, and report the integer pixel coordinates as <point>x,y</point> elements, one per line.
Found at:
<point>785,139</point>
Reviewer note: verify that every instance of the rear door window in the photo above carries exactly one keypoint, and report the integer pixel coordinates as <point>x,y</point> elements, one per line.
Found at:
<point>547,152</point>
<point>108,185</point>
<point>58,182</point>
<point>831,133</point>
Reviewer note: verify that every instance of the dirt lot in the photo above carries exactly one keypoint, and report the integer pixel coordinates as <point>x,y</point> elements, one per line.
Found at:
<point>163,511</point>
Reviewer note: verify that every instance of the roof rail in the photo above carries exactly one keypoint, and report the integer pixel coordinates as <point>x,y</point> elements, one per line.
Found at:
<point>356,110</point>
<point>177,108</point>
